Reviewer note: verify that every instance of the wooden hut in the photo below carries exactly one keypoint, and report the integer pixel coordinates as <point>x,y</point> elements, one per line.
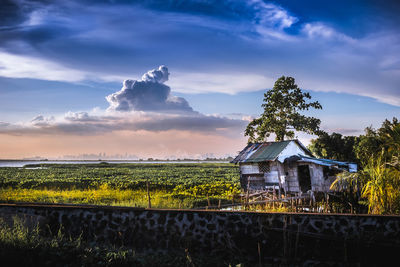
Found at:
<point>287,166</point>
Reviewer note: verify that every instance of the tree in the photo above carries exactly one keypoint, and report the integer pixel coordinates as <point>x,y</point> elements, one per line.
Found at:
<point>386,138</point>
<point>281,113</point>
<point>334,146</point>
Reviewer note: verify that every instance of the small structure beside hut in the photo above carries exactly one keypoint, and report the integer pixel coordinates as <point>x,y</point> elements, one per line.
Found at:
<point>288,167</point>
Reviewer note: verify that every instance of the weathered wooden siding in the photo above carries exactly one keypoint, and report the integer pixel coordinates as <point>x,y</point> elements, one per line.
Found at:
<point>249,168</point>
<point>292,181</point>
<point>286,174</point>
<point>317,177</point>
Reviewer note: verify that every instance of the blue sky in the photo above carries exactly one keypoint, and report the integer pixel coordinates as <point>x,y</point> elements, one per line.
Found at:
<point>59,60</point>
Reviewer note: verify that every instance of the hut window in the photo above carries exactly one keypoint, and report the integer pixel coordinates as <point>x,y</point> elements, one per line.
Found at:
<point>263,167</point>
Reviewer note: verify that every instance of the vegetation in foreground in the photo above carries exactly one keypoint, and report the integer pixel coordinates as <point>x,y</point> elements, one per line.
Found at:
<point>377,152</point>
<point>28,246</point>
<point>169,185</point>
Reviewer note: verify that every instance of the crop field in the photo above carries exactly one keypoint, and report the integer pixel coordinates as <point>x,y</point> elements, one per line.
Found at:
<point>170,185</point>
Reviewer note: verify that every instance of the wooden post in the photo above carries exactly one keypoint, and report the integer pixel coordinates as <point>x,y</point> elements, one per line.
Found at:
<point>219,204</point>
<point>148,193</point>
<point>273,198</point>
<point>208,201</point>
<point>279,179</point>
<point>247,194</point>
<point>326,202</point>
<point>291,204</point>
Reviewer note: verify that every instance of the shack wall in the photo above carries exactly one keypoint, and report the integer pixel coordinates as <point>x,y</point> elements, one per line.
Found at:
<point>292,181</point>
<point>285,174</point>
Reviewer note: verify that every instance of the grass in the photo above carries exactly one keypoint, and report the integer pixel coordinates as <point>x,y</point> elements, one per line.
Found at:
<point>105,195</point>
<point>170,185</point>
<point>28,246</point>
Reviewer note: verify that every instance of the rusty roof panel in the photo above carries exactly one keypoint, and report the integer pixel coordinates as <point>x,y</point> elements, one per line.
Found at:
<point>259,152</point>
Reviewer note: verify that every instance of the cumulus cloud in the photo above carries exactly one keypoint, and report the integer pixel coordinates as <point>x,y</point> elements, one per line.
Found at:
<point>148,94</point>
<point>146,104</point>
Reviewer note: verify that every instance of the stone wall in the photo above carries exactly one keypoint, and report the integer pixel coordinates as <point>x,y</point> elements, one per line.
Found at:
<point>270,237</point>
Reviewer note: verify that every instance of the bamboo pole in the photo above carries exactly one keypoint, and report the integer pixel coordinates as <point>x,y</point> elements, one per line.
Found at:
<point>148,193</point>
<point>279,178</point>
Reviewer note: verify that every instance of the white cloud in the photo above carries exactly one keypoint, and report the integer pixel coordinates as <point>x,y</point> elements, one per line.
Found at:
<point>270,15</point>
<point>201,82</point>
<point>148,94</point>
<point>145,104</point>
<point>22,66</point>
<point>318,30</point>
<point>17,66</point>
<point>271,20</point>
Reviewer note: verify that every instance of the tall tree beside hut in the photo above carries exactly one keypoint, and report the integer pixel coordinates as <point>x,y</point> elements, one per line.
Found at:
<point>281,116</point>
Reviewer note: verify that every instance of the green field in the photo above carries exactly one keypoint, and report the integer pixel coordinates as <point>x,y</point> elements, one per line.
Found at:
<point>171,185</point>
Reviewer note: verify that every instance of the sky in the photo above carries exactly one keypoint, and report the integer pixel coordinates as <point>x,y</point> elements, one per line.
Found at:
<point>168,79</point>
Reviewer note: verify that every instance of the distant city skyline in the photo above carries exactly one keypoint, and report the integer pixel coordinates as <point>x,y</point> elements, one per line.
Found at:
<point>126,156</point>
<point>162,78</point>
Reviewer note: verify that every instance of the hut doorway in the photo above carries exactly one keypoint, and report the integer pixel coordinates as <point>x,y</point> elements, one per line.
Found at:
<point>304,178</point>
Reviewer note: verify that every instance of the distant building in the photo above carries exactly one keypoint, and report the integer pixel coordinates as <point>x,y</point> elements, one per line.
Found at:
<point>287,166</point>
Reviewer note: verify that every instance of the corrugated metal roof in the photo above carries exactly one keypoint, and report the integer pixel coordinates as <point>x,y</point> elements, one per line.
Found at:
<point>259,152</point>
<point>351,167</point>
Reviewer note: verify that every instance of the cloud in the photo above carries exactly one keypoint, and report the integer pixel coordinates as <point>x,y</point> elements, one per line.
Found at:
<point>79,117</point>
<point>211,82</point>
<point>41,120</point>
<point>146,104</point>
<point>148,94</point>
<point>320,31</point>
<point>271,20</point>
<point>19,66</point>
<point>85,124</point>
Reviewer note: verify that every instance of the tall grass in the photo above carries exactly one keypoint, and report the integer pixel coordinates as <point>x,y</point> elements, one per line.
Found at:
<point>106,195</point>
<point>378,184</point>
<point>381,188</point>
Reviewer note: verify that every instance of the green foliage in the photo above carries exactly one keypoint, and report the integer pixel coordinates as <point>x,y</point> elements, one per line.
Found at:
<point>121,176</point>
<point>171,185</point>
<point>334,146</point>
<point>349,188</point>
<point>386,138</point>
<point>382,186</point>
<point>281,114</point>
<point>378,183</point>
<point>378,153</point>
